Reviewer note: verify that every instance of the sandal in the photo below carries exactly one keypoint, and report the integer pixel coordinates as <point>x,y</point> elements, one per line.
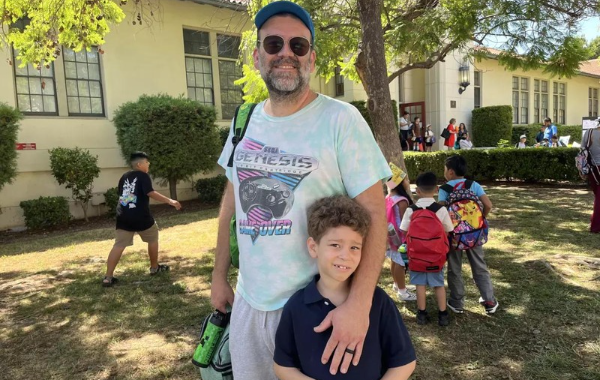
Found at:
<point>158,269</point>
<point>109,281</point>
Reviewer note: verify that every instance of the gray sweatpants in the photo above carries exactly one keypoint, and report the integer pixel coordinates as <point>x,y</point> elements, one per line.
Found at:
<point>252,341</point>
<point>480,271</point>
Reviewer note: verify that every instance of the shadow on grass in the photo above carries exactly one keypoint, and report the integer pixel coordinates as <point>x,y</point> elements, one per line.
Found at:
<point>545,328</point>
<point>48,240</point>
<point>66,325</point>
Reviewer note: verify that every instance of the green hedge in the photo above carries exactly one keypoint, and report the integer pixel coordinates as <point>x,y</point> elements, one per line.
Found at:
<point>491,124</point>
<point>531,165</point>
<point>46,212</point>
<point>531,130</point>
<point>111,200</point>
<point>9,127</point>
<point>210,190</point>
<point>361,106</point>
<point>223,134</point>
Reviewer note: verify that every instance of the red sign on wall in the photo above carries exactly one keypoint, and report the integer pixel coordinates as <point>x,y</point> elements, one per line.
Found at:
<point>26,146</point>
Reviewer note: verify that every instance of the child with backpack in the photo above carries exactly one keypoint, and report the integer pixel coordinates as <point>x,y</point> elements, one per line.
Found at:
<point>396,203</point>
<point>426,225</point>
<point>468,206</point>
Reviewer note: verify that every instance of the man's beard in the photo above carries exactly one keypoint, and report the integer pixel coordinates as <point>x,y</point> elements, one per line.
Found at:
<point>285,86</point>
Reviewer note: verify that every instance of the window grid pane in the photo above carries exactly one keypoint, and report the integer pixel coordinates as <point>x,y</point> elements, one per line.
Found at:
<point>199,89</point>
<point>35,89</point>
<point>231,94</point>
<point>339,82</point>
<point>196,42</point>
<point>228,46</point>
<point>83,82</point>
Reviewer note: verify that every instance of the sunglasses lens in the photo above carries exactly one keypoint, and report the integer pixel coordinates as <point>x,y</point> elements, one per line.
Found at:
<point>299,46</point>
<point>273,44</point>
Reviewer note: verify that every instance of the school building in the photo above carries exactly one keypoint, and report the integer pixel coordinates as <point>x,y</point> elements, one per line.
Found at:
<point>193,51</point>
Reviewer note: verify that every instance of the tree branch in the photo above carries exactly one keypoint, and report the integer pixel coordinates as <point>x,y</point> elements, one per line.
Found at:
<point>435,57</point>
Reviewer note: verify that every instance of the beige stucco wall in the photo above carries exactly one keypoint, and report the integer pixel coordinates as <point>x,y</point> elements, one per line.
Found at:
<point>137,60</point>
<point>496,89</point>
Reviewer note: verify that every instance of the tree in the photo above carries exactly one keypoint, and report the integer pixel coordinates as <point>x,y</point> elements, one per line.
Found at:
<point>75,168</point>
<point>179,135</point>
<point>376,41</point>
<point>594,48</point>
<point>9,127</point>
<point>38,28</point>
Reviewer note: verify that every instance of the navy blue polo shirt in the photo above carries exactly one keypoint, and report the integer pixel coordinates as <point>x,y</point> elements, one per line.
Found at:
<point>387,344</point>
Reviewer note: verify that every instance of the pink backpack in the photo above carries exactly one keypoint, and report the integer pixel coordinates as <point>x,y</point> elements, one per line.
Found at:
<point>390,202</point>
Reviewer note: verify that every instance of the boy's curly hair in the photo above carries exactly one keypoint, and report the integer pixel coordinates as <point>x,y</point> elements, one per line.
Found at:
<point>336,211</point>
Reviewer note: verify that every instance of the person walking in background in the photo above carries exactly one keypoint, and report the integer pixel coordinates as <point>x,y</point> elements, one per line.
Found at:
<point>539,138</point>
<point>522,142</point>
<point>429,138</point>
<point>449,142</point>
<point>404,128</point>
<point>461,135</point>
<point>417,133</point>
<point>133,216</point>
<point>591,139</point>
<point>549,130</point>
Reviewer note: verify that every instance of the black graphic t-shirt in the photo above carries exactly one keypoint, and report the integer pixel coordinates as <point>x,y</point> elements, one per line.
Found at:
<point>133,210</point>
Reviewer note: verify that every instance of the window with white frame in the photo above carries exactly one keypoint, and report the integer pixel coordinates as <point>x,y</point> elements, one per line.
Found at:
<point>206,66</point>
<point>540,100</point>
<point>559,92</point>
<point>477,76</point>
<point>593,102</point>
<point>520,100</point>
<point>339,82</point>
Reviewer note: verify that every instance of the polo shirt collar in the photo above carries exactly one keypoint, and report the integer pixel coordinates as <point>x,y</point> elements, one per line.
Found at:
<point>311,293</point>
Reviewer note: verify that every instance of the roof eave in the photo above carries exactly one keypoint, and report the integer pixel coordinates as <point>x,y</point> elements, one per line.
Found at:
<point>222,4</point>
<point>495,56</point>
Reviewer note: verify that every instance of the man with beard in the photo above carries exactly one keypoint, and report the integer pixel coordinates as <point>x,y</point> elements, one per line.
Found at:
<point>299,146</point>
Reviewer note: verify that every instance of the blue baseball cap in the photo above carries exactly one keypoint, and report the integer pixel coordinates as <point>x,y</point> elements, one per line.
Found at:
<point>279,7</point>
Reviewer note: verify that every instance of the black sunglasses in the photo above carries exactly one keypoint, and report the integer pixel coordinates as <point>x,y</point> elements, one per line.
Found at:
<point>300,46</point>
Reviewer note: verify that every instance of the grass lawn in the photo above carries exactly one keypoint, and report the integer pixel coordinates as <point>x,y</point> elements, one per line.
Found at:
<point>57,322</point>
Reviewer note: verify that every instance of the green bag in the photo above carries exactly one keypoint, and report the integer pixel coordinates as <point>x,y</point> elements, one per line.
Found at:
<point>241,120</point>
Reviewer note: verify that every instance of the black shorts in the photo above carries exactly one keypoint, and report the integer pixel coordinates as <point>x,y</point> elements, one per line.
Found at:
<point>428,144</point>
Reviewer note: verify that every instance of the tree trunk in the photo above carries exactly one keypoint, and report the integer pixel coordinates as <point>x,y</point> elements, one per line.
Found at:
<point>372,69</point>
<point>84,205</point>
<point>173,188</point>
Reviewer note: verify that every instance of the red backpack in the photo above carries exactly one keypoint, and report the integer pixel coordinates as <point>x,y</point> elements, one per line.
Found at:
<point>426,240</point>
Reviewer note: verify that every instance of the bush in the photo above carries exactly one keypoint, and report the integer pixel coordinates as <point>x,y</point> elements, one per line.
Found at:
<point>46,212</point>
<point>491,124</point>
<point>531,165</point>
<point>111,200</point>
<point>9,126</point>
<point>361,106</point>
<point>531,130</point>
<point>210,190</point>
<point>75,168</point>
<point>179,135</point>
<point>223,135</point>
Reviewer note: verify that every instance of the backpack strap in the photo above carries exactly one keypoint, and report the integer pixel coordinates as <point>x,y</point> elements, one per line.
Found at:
<point>414,207</point>
<point>240,124</point>
<point>468,183</point>
<point>447,188</point>
<point>435,207</point>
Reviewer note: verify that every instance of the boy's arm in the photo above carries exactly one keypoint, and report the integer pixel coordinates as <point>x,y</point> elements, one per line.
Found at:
<point>161,198</point>
<point>400,373</point>
<point>487,204</point>
<point>289,373</point>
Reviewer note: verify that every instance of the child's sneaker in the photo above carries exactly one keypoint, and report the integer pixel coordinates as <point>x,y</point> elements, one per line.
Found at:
<point>457,310</point>
<point>408,287</point>
<point>422,317</point>
<point>406,295</point>
<point>443,318</point>
<point>490,306</point>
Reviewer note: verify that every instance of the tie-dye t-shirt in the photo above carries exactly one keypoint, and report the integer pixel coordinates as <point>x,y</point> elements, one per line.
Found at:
<point>282,166</point>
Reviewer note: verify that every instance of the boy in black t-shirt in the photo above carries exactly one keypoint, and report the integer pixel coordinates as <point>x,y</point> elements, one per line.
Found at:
<point>133,215</point>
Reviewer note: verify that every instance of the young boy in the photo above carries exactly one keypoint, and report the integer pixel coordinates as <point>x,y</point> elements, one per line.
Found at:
<point>455,171</point>
<point>426,190</point>
<point>133,215</point>
<point>337,227</point>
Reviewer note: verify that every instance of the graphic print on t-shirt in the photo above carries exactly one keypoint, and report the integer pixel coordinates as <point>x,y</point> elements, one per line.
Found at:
<point>268,178</point>
<point>128,197</point>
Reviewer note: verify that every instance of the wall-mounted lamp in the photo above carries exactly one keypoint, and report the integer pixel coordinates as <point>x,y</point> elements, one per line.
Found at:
<point>464,76</point>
